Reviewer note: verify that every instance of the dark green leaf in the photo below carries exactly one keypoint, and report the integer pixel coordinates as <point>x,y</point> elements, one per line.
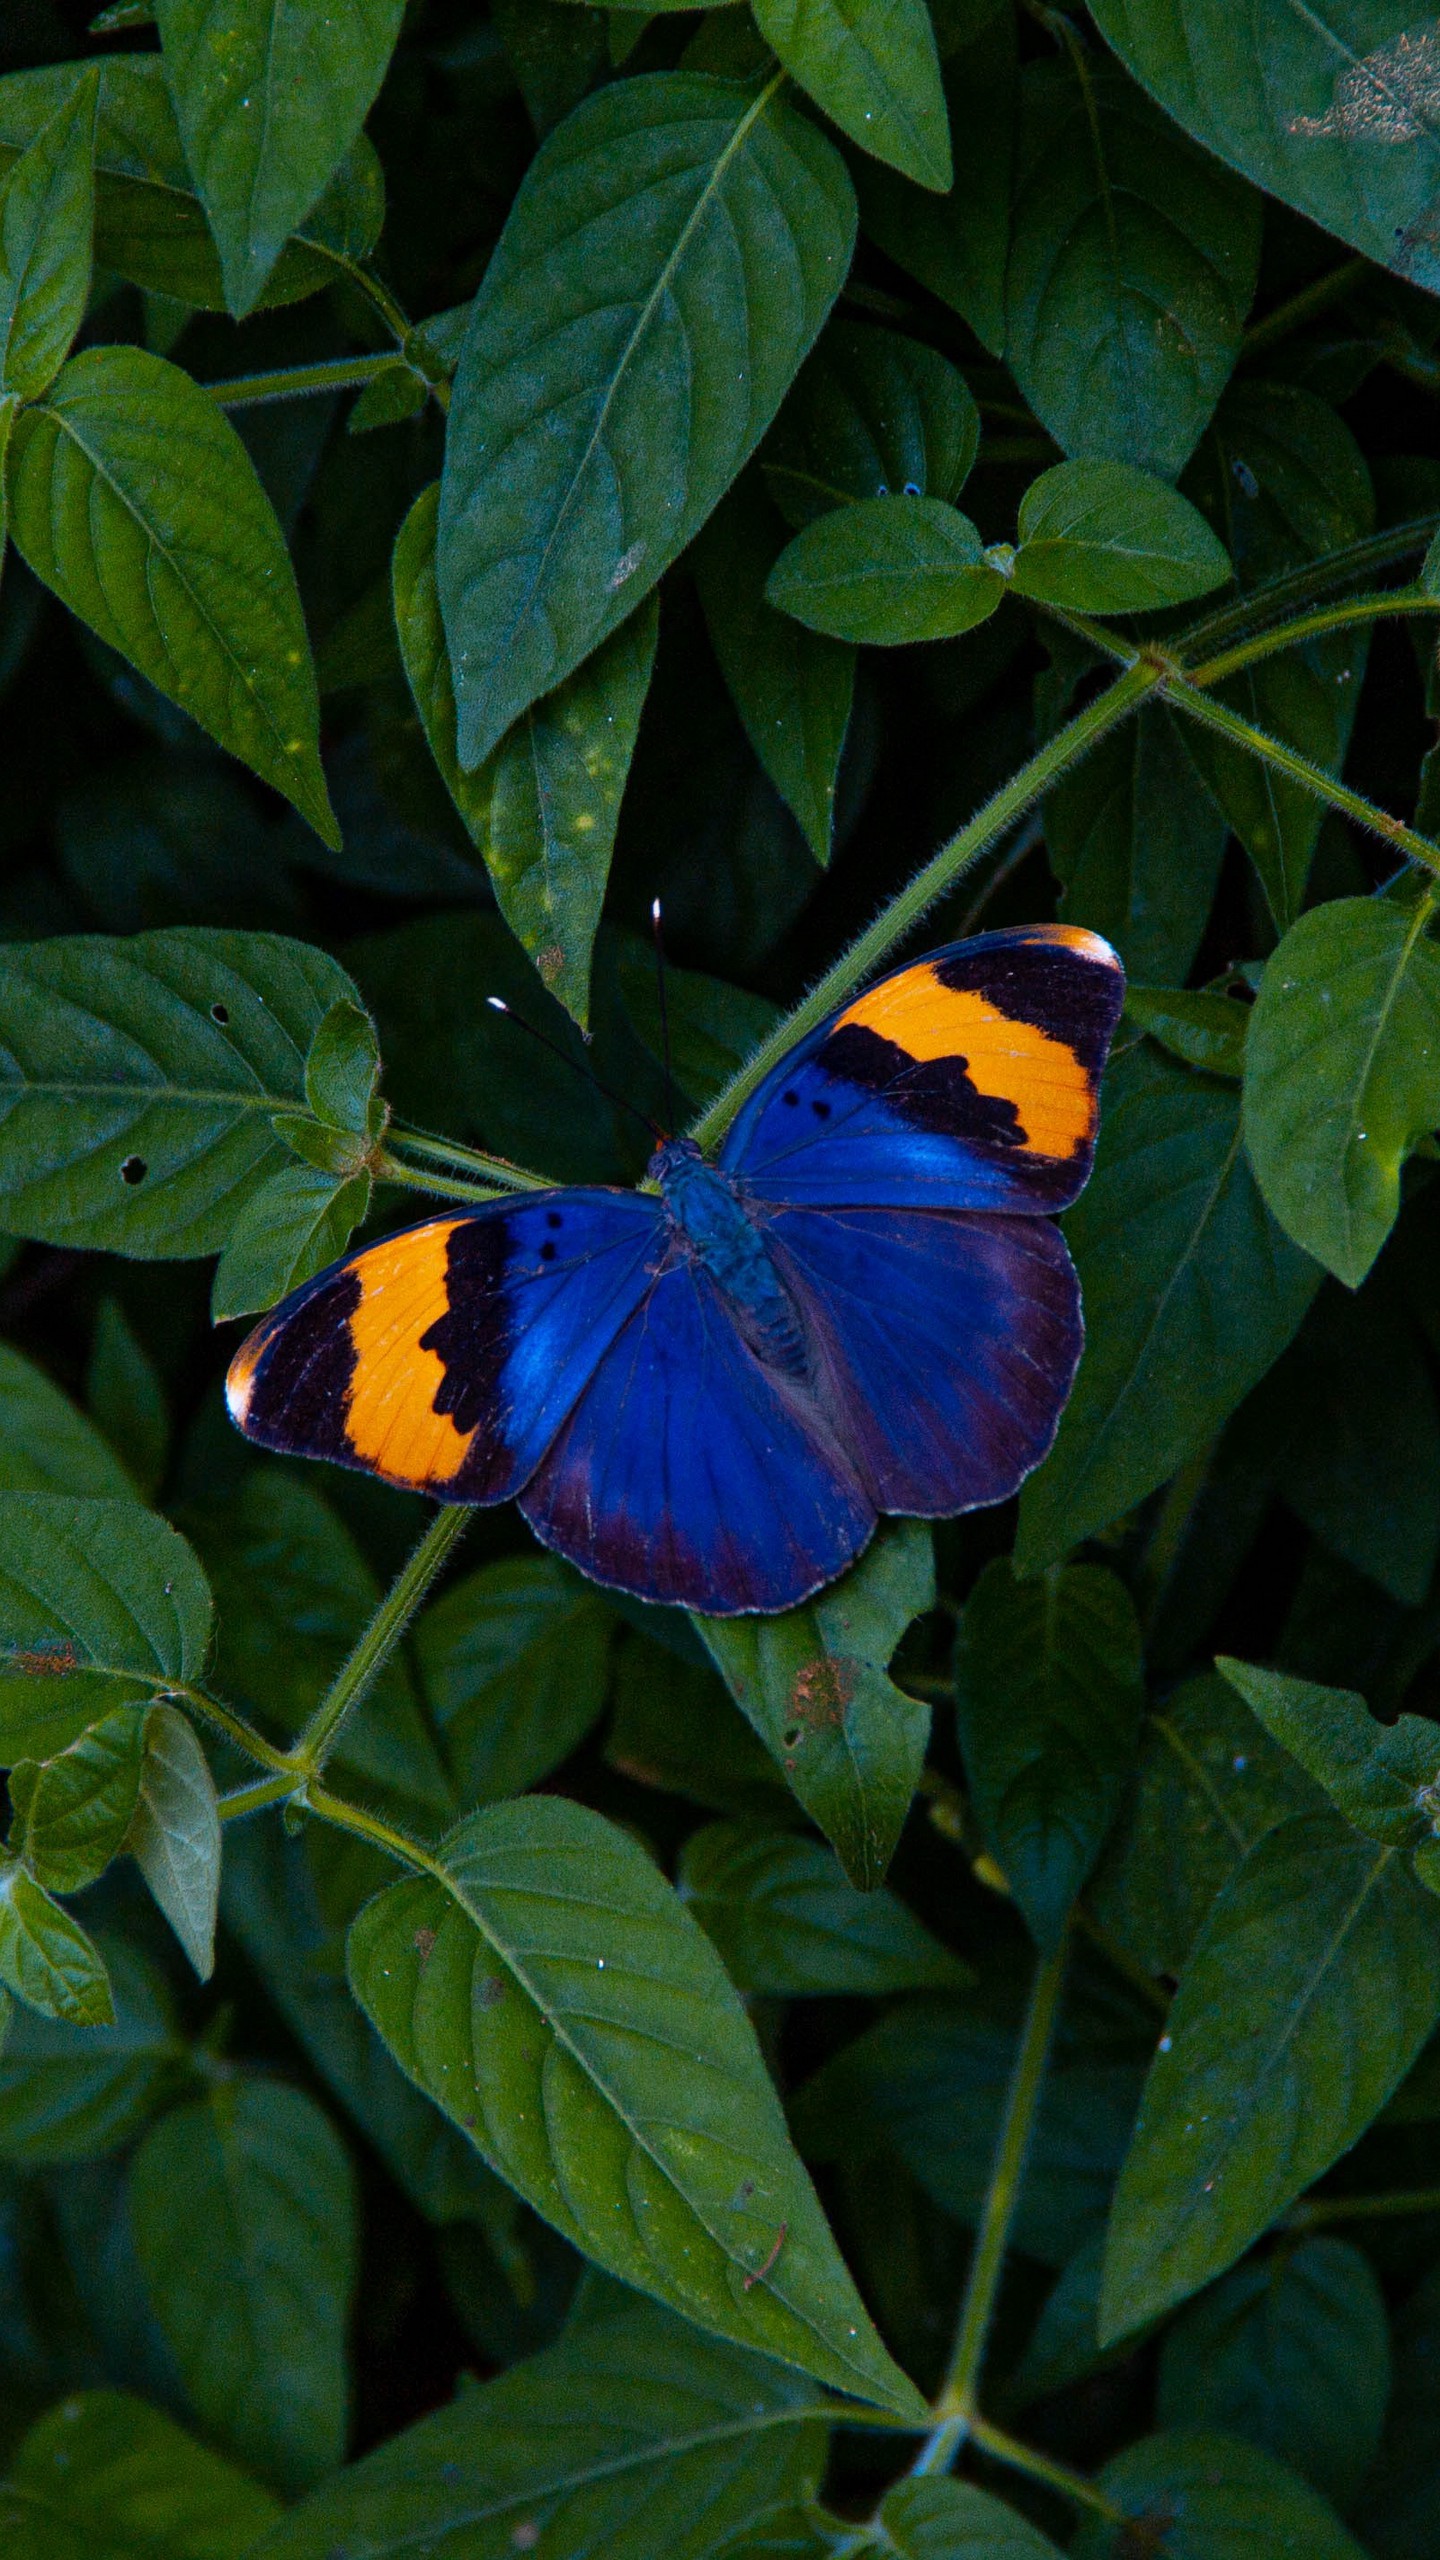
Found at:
<point>675,1726</point>
<point>1208,2497</point>
<point>874,69</point>
<point>887,570</point>
<point>1330,106</point>
<point>956,245</point>
<point>951,2520</point>
<point>793,688</point>
<point>545,1953</point>
<point>1132,265</point>
<point>1306,1998</point>
<point>543,807</point>
<point>46,1958</point>
<point>1137,842</point>
<point>1064,2345</point>
<point>1049,1684</point>
<point>107,2473</point>
<point>1293,2353</point>
<point>71,2092</point>
<point>46,1444</point>
<point>691,235</point>
<point>100,1603</point>
<point>269,99</point>
<point>873,415</point>
<point>1343,1075</point>
<point>1402,2503</point>
<point>174,1836</point>
<point>132,497</point>
<point>297,1221</point>
<point>1382,1777</point>
<point>514,1663</point>
<point>47,222</point>
<point>786,1922</point>
<point>1203,1030</point>
<point>255,2318</point>
<point>633,2435</point>
<point>342,1069</point>
<point>1182,1317</point>
<point>1104,537</point>
<point>713,1026</point>
<point>813,1685</point>
<point>125,1394</point>
<point>73,1812</point>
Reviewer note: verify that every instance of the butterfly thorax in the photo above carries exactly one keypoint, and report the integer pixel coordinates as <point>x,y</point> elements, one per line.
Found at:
<point>707,1212</point>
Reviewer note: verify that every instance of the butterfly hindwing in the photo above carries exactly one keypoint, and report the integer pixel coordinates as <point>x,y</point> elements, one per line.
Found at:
<point>443,1358</point>
<point>969,1080</point>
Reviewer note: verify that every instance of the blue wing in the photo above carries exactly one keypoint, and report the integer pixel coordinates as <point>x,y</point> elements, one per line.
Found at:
<point>948,1343</point>
<point>689,1472</point>
<point>969,1080</point>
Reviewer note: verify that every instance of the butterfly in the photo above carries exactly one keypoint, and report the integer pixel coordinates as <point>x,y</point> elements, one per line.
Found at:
<point>707,1393</point>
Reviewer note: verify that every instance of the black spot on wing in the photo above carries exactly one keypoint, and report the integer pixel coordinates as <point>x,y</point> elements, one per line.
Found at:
<point>1053,987</point>
<point>302,1381</point>
<point>935,1094</point>
<point>472,1337</point>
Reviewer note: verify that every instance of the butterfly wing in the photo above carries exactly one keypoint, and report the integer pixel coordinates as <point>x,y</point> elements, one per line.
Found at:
<point>969,1080</point>
<point>689,1472</point>
<point>445,1357</point>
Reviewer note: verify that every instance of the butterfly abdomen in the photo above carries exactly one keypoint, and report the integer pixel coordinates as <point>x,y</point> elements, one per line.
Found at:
<point>707,1211</point>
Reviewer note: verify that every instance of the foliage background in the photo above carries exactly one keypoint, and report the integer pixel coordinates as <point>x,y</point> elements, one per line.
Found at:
<point>421,555</point>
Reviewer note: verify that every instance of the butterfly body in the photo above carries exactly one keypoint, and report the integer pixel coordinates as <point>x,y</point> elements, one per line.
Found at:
<point>707,1393</point>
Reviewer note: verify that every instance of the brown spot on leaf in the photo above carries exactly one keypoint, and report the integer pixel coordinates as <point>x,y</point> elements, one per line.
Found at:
<point>424,1944</point>
<point>821,1692</point>
<point>490,1992</point>
<point>550,962</point>
<point>45,1661</point>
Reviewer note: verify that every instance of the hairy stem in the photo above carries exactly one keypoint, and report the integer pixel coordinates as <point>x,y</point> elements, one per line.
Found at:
<point>1300,588</point>
<point>1310,626</point>
<point>495,1169</point>
<point>1303,306</point>
<point>234,1728</point>
<point>864,956</point>
<point>1395,2201</point>
<point>1041,2466</point>
<point>294,382</point>
<point>376,1644</point>
<point>1311,777</point>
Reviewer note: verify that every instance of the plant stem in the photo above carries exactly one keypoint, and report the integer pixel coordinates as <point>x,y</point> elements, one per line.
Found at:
<point>1041,2466</point>
<point>376,1644</point>
<point>1311,777</point>
<point>255,1797</point>
<point>439,1186</point>
<point>497,1169</point>
<point>1018,795</point>
<point>234,1728</point>
<point>294,382</point>
<point>955,2408</point>
<point>1302,306</point>
<point>1301,587</point>
<point>1396,2201</point>
<point>1309,626</point>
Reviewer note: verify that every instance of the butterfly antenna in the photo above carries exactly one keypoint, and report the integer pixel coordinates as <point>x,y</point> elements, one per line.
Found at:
<point>659,934</point>
<point>497,1004</point>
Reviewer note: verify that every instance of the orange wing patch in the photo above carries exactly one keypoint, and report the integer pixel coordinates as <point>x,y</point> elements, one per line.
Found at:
<point>1052,1091</point>
<point>390,1420</point>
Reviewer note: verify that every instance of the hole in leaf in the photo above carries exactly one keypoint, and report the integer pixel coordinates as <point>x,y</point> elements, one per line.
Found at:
<point>220,1013</point>
<point>133,1170</point>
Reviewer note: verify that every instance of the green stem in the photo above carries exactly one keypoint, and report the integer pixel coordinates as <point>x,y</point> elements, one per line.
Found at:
<point>1311,777</point>
<point>1397,2201</point>
<point>1299,588</point>
<point>234,1728</point>
<point>1040,2466</point>
<point>439,1186</point>
<point>1309,626</point>
<point>254,1798</point>
<point>294,382</point>
<point>1303,306</point>
<point>864,956</point>
<point>370,1826</point>
<point>376,1645</point>
<point>955,2408</point>
<point>497,1169</point>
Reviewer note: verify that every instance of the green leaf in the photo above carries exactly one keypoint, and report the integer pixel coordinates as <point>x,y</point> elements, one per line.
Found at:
<point>1064,2346</point>
<point>1049,1685</point>
<point>342,1069</point>
<point>1137,842</point>
<point>1191,1292</point>
<point>149,224</point>
<point>106,2472</point>
<point>269,99</point>
<point>1343,1075</point>
<point>874,69</point>
<point>676,1727</point>
<point>46,1958</point>
<point>691,235</point>
<point>514,1663</point>
<point>1312,1987</point>
<point>71,2092</point>
<point>100,1604</point>
<point>634,2434</point>
<point>887,570</point>
<point>174,1837</point>
<point>956,245</point>
<point>132,497</point>
<point>1211,2498</point>
<point>256,2318</point>
<point>1104,537</point>
<point>1403,2497</point>
<point>1210,1783</point>
<point>297,1221</point>
<point>786,1922</point>
<point>872,415</point>
<point>1328,104</point>
<point>1282,481</point>
<point>548,1990</point>
<point>1293,2354</point>
<point>125,1394</point>
<point>47,223</point>
<point>73,1812</point>
<point>46,1443</point>
<point>713,1026</point>
<point>138,1078</point>
<point>813,1685</point>
<point>793,688</point>
<point>1203,1030</point>
<point>544,806</point>
<point>1382,1777</point>
<point>951,2520</point>
<point>1132,266</point>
